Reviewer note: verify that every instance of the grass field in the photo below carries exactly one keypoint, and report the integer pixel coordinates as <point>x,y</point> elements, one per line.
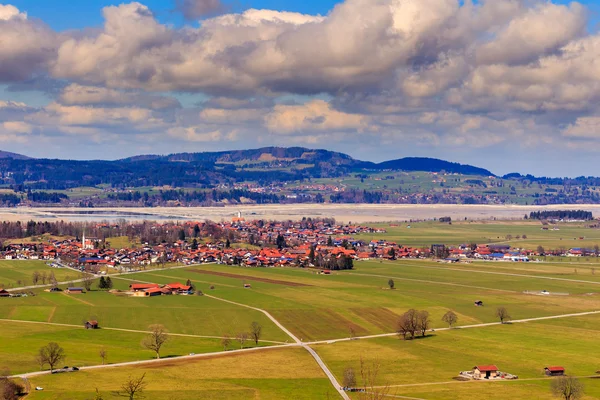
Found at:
<point>17,273</point>
<point>323,308</point>
<point>425,234</point>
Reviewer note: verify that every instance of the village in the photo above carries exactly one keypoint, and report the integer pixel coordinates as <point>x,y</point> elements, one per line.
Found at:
<point>257,243</point>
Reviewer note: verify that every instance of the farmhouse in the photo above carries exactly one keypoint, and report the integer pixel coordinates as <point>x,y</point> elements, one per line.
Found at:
<point>139,287</point>
<point>4,293</point>
<point>554,371</point>
<point>75,290</point>
<point>155,291</point>
<point>179,288</point>
<point>485,371</point>
<point>91,324</point>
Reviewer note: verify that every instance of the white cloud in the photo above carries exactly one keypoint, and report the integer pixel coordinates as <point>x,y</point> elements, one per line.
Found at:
<point>8,12</point>
<point>314,116</point>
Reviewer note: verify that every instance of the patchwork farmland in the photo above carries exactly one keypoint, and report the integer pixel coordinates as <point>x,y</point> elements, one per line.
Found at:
<point>349,318</point>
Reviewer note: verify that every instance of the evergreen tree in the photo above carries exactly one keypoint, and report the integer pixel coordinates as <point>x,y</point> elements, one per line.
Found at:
<point>227,244</point>
<point>196,230</point>
<point>329,241</point>
<point>195,244</point>
<point>108,283</point>
<point>182,235</point>
<point>102,283</point>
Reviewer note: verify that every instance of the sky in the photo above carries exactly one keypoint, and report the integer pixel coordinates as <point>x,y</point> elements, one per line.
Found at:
<point>508,85</point>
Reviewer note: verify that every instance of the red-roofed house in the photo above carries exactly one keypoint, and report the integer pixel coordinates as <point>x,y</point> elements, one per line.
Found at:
<point>554,371</point>
<point>485,371</point>
<point>138,287</point>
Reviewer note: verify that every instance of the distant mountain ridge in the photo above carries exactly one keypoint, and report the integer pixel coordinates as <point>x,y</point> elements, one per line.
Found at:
<point>207,169</point>
<point>301,155</point>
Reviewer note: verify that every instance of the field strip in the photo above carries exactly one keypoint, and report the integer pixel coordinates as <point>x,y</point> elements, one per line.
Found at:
<point>507,274</point>
<point>546,378</point>
<point>196,281</point>
<point>51,314</point>
<point>435,282</point>
<point>517,321</point>
<point>163,360</point>
<point>127,330</point>
<point>77,299</point>
<point>313,353</point>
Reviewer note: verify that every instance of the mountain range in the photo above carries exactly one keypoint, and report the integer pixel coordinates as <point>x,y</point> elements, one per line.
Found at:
<point>206,169</point>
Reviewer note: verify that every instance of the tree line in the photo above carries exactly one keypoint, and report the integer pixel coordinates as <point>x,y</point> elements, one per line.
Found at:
<point>562,214</point>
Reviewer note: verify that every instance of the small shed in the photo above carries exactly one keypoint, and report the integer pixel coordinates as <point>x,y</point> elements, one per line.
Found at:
<point>93,324</point>
<point>478,303</point>
<point>247,285</point>
<point>75,290</point>
<point>4,293</point>
<point>485,371</point>
<point>554,371</point>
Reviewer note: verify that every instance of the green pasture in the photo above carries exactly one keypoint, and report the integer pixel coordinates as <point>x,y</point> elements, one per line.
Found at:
<point>18,273</point>
<point>359,302</point>
<point>269,375</point>
<point>21,342</point>
<point>410,367</point>
<point>424,234</point>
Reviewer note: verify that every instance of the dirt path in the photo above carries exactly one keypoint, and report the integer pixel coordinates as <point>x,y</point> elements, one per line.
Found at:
<point>313,353</point>
<point>516,321</point>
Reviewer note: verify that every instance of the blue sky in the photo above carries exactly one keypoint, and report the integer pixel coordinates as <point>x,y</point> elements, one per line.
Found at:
<point>87,13</point>
<point>506,85</point>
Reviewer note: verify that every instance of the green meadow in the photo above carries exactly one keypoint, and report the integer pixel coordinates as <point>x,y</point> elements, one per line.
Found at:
<point>17,273</point>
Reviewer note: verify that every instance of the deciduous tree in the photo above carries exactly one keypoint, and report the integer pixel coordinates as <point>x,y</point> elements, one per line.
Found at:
<point>255,331</point>
<point>156,338</point>
<point>450,318</point>
<point>502,314</point>
<point>51,354</point>
<point>133,388</point>
<point>567,388</point>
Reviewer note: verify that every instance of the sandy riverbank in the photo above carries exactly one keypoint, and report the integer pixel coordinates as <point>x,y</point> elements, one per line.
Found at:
<point>341,212</point>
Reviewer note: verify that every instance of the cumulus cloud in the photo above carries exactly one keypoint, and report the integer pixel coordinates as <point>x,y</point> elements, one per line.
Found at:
<point>27,46</point>
<point>314,116</point>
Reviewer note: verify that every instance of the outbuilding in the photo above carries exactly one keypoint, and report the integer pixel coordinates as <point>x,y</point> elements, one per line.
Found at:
<point>4,293</point>
<point>93,324</point>
<point>554,371</point>
<point>75,290</point>
<point>485,371</point>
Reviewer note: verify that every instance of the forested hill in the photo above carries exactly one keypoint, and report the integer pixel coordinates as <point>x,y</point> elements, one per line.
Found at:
<point>205,170</point>
<point>412,164</point>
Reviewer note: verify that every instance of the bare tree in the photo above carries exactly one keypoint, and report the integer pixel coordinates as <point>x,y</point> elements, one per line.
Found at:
<point>133,388</point>
<point>103,354</point>
<point>155,340</point>
<point>349,378</point>
<point>450,318</point>
<point>226,342</point>
<point>242,337</point>
<point>51,354</point>
<point>502,313</point>
<point>35,278</point>
<point>567,388</point>
<point>408,325</point>
<point>255,331</point>
<point>422,322</point>
<point>87,280</point>
<point>369,371</point>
